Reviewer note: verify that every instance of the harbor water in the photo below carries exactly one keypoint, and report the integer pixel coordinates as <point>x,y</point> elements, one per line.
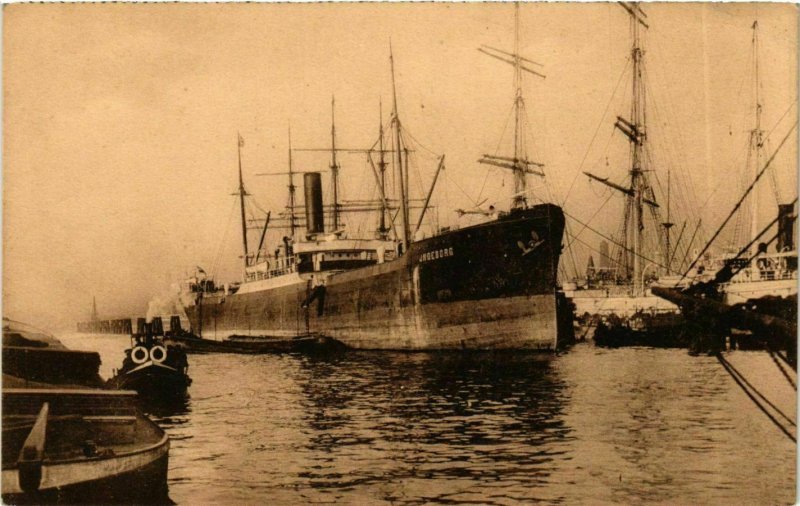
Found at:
<point>589,426</point>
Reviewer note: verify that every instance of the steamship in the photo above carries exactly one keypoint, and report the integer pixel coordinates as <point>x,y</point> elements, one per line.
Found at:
<point>487,286</point>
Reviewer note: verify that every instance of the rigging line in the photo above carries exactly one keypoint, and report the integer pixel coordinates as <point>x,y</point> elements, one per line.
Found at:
<point>733,169</point>
<point>738,204</point>
<point>609,257</point>
<point>497,149</point>
<point>575,236</point>
<point>674,153</point>
<point>629,250</point>
<point>254,203</point>
<point>505,128</point>
<point>423,146</point>
<point>744,389</point>
<point>766,137</point>
<point>571,251</point>
<point>221,244</point>
<point>597,130</point>
<point>474,202</point>
<point>489,171</point>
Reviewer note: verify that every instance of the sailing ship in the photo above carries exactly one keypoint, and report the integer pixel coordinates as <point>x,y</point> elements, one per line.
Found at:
<point>620,302</point>
<point>488,286</point>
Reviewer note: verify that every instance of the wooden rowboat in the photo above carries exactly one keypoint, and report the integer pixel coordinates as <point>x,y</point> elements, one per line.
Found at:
<point>80,446</point>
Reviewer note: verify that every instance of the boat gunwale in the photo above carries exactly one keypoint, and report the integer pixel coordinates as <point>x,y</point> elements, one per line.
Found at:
<point>164,440</point>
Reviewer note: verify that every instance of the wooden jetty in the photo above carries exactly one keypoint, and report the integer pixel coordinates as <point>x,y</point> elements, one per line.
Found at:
<point>122,326</point>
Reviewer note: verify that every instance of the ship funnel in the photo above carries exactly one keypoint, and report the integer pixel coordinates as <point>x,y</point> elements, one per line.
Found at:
<point>786,219</point>
<point>312,184</point>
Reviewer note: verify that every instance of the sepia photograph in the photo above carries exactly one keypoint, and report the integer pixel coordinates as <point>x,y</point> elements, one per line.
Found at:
<point>489,253</point>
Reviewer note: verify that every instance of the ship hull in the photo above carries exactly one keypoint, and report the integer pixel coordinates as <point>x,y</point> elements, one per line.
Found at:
<point>485,287</point>
<point>740,293</point>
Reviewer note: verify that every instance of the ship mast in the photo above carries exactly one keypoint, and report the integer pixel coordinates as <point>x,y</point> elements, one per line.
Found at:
<point>756,136</point>
<point>519,176</point>
<point>334,169</point>
<point>519,163</point>
<point>637,142</point>
<point>242,194</point>
<point>635,130</point>
<point>292,188</point>
<point>668,226</point>
<point>382,230</point>
<point>399,161</point>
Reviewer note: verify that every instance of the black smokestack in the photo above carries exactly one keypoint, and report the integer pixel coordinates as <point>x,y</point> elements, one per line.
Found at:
<point>786,219</point>
<point>312,183</point>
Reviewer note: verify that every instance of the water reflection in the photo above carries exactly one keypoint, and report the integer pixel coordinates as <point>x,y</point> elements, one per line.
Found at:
<point>172,410</point>
<point>445,419</point>
<point>590,426</point>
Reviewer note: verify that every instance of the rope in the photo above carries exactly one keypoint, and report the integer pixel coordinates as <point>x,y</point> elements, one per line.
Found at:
<point>575,236</point>
<point>766,137</point>
<point>623,247</point>
<point>221,244</point>
<point>597,130</point>
<point>729,369</point>
<point>738,204</point>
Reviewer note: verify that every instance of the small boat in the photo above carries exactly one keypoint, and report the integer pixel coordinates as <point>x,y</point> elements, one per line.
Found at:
<point>66,440</point>
<point>80,446</point>
<point>152,366</point>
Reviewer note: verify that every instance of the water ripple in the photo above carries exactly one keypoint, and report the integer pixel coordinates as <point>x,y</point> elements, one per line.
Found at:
<point>590,426</point>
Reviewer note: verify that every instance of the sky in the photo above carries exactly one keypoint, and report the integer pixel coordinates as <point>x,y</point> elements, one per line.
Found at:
<point>120,123</point>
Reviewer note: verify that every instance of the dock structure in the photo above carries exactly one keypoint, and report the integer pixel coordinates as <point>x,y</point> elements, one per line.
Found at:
<point>122,326</point>
<point>125,326</point>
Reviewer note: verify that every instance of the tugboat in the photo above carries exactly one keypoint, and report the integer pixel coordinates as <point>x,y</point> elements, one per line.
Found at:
<point>152,367</point>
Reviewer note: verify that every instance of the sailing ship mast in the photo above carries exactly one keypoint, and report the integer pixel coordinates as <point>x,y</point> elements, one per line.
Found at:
<point>637,140</point>
<point>635,130</point>
<point>519,163</point>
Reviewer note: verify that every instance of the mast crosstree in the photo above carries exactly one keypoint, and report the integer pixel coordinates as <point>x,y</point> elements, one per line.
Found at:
<point>519,163</point>
<point>639,191</point>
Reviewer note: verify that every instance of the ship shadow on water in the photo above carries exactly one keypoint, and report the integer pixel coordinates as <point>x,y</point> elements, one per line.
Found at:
<point>165,409</point>
<point>450,421</point>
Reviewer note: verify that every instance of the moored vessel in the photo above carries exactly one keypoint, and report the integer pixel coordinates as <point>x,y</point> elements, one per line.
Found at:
<point>152,366</point>
<point>617,301</point>
<point>486,286</point>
